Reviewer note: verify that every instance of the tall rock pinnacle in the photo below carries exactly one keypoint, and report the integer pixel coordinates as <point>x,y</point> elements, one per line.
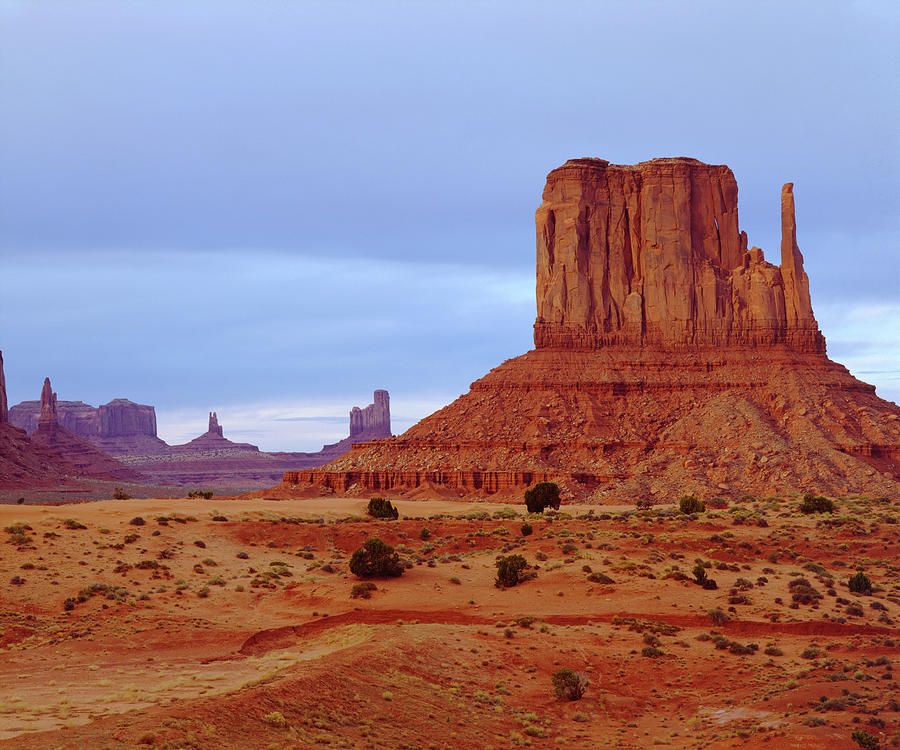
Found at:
<point>798,307</point>
<point>48,405</point>
<point>4,410</point>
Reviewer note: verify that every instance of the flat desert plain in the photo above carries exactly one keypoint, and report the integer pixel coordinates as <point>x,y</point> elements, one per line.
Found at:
<point>232,623</point>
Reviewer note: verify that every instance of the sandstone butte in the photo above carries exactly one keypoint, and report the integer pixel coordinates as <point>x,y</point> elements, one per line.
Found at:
<point>88,460</point>
<point>669,359</point>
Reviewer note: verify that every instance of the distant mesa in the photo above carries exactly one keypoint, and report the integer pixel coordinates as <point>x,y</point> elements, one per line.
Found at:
<point>120,427</point>
<point>670,358</point>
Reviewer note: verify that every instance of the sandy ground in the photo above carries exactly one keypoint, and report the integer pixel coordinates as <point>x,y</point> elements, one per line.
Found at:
<point>230,623</point>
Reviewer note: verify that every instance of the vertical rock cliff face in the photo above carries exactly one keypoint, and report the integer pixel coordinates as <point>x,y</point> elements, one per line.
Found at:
<point>374,421</point>
<point>653,254</point>
<point>4,410</point>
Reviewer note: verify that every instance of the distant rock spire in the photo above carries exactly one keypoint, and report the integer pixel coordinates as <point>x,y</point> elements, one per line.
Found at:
<point>48,405</point>
<point>214,427</point>
<point>4,410</point>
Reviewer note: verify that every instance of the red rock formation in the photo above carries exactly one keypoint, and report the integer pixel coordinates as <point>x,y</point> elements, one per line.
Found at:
<point>120,427</point>
<point>670,360</point>
<point>374,421</point>
<point>652,255</point>
<point>214,428</point>
<point>88,460</point>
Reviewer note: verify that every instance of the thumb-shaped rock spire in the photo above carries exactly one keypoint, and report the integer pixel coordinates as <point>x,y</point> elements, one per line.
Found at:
<point>48,404</point>
<point>798,307</point>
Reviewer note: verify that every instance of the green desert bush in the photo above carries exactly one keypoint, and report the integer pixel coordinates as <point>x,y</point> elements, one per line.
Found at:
<point>375,559</point>
<point>378,507</point>
<point>690,504</point>
<point>527,529</point>
<point>542,495</point>
<point>508,571</point>
<point>860,584</point>
<point>700,577</point>
<point>816,504</point>
<point>865,740</point>
<point>569,685</point>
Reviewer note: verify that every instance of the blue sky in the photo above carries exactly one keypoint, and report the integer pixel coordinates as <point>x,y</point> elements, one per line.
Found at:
<point>271,209</point>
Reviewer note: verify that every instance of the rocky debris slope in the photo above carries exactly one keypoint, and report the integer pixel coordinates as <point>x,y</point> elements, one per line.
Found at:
<point>88,460</point>
<point>669,359</point>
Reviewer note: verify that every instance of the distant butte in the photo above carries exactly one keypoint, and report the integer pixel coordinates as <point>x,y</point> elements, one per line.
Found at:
<point>88,460</point>
<point>670,358</point>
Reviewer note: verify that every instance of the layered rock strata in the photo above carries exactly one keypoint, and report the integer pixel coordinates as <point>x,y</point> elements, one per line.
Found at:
<point>669,359</point>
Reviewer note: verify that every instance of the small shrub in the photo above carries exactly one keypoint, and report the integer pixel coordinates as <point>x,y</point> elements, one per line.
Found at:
<point>508,570</point>
<point>205,494</point>
<point>362,590</point>
<point>569,685</point>
<point>700,577</point>
<point>527,529</point>
<point>378,507</point>
<point>542,495</point>
<point>424,534</point>
<point>137,521</point>
<point>652,652</point>
<point>71,523</point>
<point>816,504</point>
<point>865,740</point>
<point>120,494</point>
<point>690,504</point>
<point>860,584</point>
<point>375,559</point>
<point>600,578</point>
<point>717,616</point>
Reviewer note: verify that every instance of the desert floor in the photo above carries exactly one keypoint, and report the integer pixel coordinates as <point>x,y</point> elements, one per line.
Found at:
<point>230,623</point>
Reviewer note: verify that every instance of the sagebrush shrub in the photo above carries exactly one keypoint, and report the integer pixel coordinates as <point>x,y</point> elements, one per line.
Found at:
<point>860,584</point>
<point>569,685</point>
<point>508,570</point>
<point>690,504</point>
<point>813,504</point>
